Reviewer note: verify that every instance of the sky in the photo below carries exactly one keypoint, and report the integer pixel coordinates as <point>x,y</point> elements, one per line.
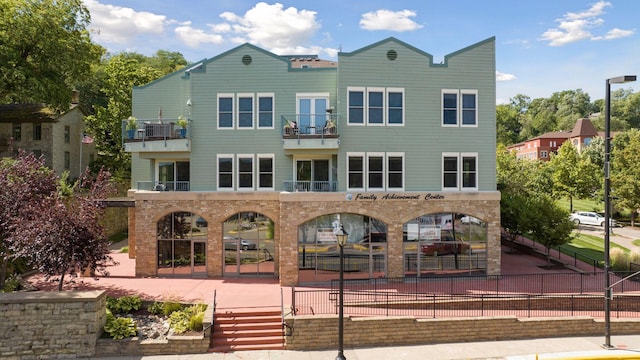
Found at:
<point>542,46</point>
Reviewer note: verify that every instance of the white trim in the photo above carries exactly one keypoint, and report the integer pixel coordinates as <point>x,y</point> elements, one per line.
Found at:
<point>384,106</point>
<point>475,156</point>
<point>467,92</point>
<point>364,170</point>
<point>442,93</point>
<point>404,173</point>
<point>395,90</point>
<point>273,171</point>
<point>368,171</point>
<point>453,155</point>
<point>253,111</point>
<point>224,156</point>
<point>253,172</point>
<point>218,97</point>
<point>363,90</point>
<point>273,110</point>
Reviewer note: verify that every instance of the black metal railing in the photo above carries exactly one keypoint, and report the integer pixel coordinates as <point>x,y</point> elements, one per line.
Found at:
<point>309,125</point>
<point>555,294</point>
<point>318,186</point>
<point>154,129</point>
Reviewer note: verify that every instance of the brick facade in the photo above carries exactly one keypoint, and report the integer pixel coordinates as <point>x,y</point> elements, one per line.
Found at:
<point>290,210</point>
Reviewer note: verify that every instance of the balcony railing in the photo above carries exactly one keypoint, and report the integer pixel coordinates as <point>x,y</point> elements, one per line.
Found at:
<point>154,129</point>
<point>302,126</point>
<point>318,186</point>
<point>164,185</point>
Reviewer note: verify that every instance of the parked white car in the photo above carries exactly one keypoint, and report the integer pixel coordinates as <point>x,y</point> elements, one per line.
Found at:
<point>589,218</point>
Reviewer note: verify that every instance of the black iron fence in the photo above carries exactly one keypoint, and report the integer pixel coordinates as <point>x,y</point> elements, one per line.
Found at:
<point>529,295</point>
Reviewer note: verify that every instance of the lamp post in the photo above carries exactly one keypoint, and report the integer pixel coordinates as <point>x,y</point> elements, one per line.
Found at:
<point>342,237</point>
<point>608,293</point>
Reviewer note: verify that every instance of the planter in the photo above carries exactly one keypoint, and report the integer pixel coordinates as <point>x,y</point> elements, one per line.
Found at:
<point>132,133</point>
<point>183,133</point>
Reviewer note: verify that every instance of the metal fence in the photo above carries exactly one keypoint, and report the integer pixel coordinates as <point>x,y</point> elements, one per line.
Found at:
<point>530,295</point>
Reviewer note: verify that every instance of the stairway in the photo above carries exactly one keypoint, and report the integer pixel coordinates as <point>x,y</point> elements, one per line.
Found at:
<point>247,330</point>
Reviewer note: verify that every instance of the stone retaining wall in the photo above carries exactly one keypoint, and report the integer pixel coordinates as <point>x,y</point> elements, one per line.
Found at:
<point>50,325</point>
<point>318,332</point>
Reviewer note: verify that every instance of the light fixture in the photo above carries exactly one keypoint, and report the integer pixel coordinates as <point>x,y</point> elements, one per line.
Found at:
<point>189,102</point>
<point>608,291</point>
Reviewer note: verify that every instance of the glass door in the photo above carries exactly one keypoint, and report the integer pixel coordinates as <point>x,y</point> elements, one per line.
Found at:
<point>313,175</point>
<point>312,113</point>
<point>199,258</point>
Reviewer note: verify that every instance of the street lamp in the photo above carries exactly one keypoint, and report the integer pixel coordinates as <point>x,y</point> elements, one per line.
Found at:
<point>342,237</point>
<point>608,293</point>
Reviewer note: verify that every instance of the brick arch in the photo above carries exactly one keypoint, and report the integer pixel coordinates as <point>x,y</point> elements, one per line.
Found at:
<point>164,212</point>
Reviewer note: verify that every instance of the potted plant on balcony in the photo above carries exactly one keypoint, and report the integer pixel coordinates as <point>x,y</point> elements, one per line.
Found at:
<point>182,122</point>
<point>132,126</point>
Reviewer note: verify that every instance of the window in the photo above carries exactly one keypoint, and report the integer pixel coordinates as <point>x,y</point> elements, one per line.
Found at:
<point>395,171</point>
<point>544,154</point>
<point>469,108</point>
<point>395,108</point>
<point>67,135</point>
<point>356,106</point>
<point>265,111</point>
<point>375,106</point>
<point>225,172</point>
<point>225,111</point>
<point>245,111</point>
<point>459,171</point>
<point>67,160</point>
<point>17,131</point>
<point>37,131</point>
<point>355,171</point>
<point>459,107</point>
<point>245,172</point>
<point>375,171</point>
<point>265,172</point>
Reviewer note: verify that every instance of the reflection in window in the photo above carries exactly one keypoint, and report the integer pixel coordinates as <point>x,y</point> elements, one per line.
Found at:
<point>365,251</point>
<point>176,232</point>
<point>249,244</point>
<point>444,242</point>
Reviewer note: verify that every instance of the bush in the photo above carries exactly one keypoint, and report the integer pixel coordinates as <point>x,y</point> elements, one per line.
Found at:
<point>119,327</point>
<point>170,307</point>
<point>11,284</point>
<point>190,318</point>
<point>619,259</point>
<point>156,308</point>
<point>124,304</point>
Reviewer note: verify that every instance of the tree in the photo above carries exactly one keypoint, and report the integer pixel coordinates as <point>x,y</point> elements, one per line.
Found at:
<point>573,175</point>
<point>548,223</point>
<point>45,48</point>
<point>508,125</point>
<point>25,186</point>
<point>625,172</point>
<point>122,73</point>
<point>66,237</point>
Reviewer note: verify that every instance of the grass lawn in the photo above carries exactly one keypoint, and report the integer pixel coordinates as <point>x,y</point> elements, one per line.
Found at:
<point>582,205</point>
<point>588,248</point>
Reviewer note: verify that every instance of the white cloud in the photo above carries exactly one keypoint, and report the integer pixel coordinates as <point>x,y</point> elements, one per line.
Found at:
<point>117,24</point>
<point>195,37</point>
<point>504,77</point>
<point>614,33</point>
<point>389,20</point>
<point>575,27</point>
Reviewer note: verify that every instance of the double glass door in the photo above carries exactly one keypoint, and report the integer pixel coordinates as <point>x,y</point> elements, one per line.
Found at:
<point>313,175</point>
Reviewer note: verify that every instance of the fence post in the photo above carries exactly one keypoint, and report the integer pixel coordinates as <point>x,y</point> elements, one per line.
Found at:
<point>293,301</point>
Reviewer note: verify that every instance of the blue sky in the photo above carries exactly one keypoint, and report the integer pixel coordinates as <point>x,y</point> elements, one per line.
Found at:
<point>542,46</point>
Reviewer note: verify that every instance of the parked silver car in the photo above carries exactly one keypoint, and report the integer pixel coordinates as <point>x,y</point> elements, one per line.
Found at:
<point>589,218</point>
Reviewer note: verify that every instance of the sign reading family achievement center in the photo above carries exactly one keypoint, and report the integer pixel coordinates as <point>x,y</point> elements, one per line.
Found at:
<point>393,196</point>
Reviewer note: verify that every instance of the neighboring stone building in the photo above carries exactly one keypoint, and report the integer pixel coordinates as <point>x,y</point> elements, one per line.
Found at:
<point>58,137</point>
<point>278,151</point>
<point>541,147</point>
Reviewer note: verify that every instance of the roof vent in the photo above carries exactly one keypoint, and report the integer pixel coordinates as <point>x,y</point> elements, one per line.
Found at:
<point>392,55</point>
<point>246,59</point>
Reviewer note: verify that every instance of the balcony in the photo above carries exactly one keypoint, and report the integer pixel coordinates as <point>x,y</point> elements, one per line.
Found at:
<point>155,135</point>
<point>317,186</point>
<point>163,185</point>
<point>310,132</point>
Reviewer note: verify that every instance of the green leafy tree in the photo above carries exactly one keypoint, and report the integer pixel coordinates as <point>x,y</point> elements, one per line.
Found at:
<point>548,223</point>
<point>122,73</point>
<point>508,125</point>
<point>573,175</point>
<point>625,172</point>
<point>45,49</point>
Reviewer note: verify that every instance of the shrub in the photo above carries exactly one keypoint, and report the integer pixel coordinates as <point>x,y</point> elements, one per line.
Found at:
<point>11,284</point>
<point>124,249</point>
<point>190,318</point>
<point>634,257</point>
<point>119,327</point>
<point>124,304</point>
<point>619,259</point>
<point>170,307</point>
<point>179,321</point>
<point>195,322</point>
<point>156,308</point>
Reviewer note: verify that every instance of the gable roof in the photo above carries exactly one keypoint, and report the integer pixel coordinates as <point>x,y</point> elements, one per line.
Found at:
<point>31,113</point>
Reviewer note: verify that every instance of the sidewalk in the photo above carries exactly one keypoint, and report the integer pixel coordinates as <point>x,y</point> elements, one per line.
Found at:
<point>542,349</point>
